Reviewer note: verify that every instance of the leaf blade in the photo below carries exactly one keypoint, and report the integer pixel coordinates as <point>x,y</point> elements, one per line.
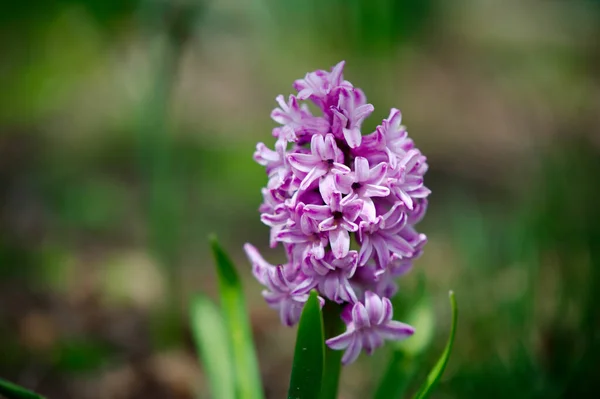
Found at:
<point>436,372</point>
<point>309,353</point>
<point>14,391</point>
<point>213,346</point>
<point>237,323</point>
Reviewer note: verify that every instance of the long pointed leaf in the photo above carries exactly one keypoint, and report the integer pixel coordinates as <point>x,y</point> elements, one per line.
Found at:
<point>436,373</point>
<point>213,347</point>
<point>309,354</point>
<point>333,325</point>
<point>14,391</point>
<point>233,304</point>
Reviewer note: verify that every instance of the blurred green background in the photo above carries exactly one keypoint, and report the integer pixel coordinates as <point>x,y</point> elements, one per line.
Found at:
<point>127,129</point>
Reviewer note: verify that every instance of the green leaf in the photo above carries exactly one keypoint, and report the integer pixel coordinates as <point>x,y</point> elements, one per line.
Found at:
<point>246,371</point>
<point>309,354</point>
<point>213,347</point>
<point>333,325</point>
<point>436,373</point>
<point>406,355</point>
<point>13,391</point>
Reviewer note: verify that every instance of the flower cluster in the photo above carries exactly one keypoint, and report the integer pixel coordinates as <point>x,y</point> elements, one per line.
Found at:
<point>328,183</point>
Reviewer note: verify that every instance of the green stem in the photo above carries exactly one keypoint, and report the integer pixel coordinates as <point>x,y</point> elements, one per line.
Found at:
<point>333,325</point>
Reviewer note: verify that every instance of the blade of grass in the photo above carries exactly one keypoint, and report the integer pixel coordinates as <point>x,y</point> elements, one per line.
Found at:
<point>309,354</point>
<point>14,391</point>
<point>210,336</point>
<point>436,373</point>
<point>246,371</point>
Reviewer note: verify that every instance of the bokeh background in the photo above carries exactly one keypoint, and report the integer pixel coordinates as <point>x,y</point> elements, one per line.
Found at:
<point>126,137</point>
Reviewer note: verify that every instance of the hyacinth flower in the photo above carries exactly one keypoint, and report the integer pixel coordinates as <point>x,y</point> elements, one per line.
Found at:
<point>369,324</point>
<point>334,184</point>
<point>344,205</point>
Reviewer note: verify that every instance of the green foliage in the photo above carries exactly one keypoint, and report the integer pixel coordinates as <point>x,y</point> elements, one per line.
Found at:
<point>334,326</point>
<point>437,371</point>
<point>407,355</point>
<point>237,324</point>
<point>213,347</point>
<point>309,354</point>
<point>13,391</point>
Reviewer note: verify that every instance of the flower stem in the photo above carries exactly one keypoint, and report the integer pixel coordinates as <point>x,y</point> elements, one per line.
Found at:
<point>333,325</point>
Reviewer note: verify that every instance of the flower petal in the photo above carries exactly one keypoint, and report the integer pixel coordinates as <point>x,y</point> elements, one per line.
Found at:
<point>352,352</point>
<point>374,306</point>
<point>341,341</point>
<point>302,162</point>
<point>360,316</point>
<point>340,242</point>
<point>313,175</point>
<point>352,136</point>
<point>395,330</point>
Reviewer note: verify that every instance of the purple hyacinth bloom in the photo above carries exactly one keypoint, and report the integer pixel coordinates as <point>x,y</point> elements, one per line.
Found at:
<point>327,185</point>
<point>320,87</point>
<point>382,238</point>
<point>324,158</point>
<point>349,115</point>
<point>333,276</point>
<point>296,119</point>
<point>287,291</point>
<point>275,163</point>
<point>365,182</point>
<point>303,232</point>
<point>370,324</point>
<point>394,137</point>
<point>338,219</point>
<point>407,178</point>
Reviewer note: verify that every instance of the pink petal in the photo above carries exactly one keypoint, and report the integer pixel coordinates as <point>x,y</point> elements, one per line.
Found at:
<point>348,225</point>
<point>335,77</point>
<point>317,212</point>
<point>328,224</point>
<point>371,341</point>
<point>340,242</point>
<point>352,210</point>
<point>372,190</point>
<point>381,251</point>
<point>360,317</point>
<point>302,162</point>
<point>362,112</point>
<point>327,186</point>
<point>377,174</point>
<point>395,330</point>
<point>330,287</point>
<point>366,249</point>
<point>329,148</point>
<point>361,168</point>
<point>291,236</point>
<point>368,210</point>
<point>399,245</point>
<point>374,307</point>
<point>352,136</point>
<point>388,311</point>
<point>313,175</point>
<point>352,352</point>
<point>341,341</point>
<point>344,182</point>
